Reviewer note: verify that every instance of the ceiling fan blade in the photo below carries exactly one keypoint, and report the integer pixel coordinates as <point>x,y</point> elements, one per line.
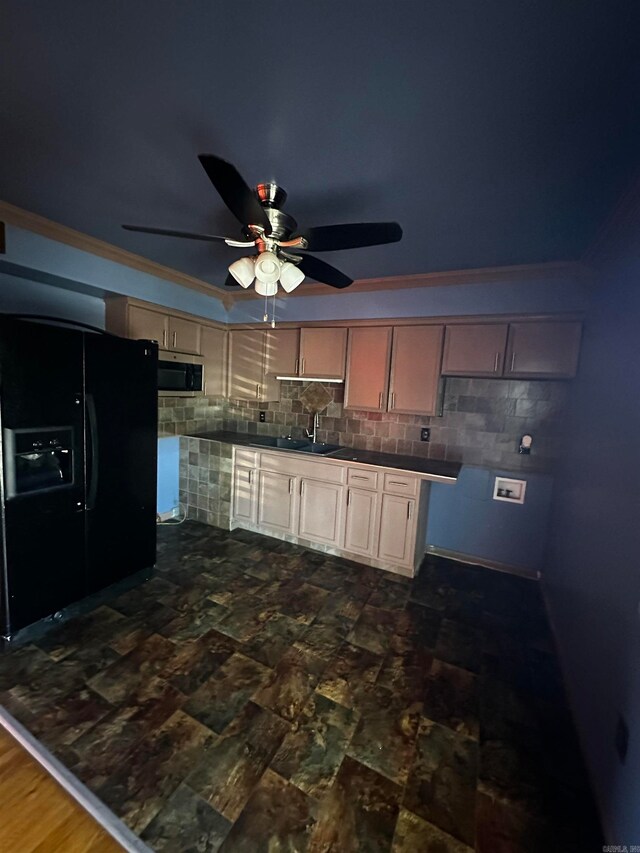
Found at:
<point>235,193</point>
<point>170,232</point>
<point>355,235</point>
<point>323,272</point>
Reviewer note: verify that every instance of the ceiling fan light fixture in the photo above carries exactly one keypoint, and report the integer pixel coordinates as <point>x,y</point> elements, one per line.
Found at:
<point>290,276</point>
<point>266,288</point>
<point>267,268</point>
<point>243,271</point>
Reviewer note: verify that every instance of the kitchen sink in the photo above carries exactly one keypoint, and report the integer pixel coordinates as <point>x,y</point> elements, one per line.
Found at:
<point>283,443</point>
<point>320,448</point>
<point>298,445</point>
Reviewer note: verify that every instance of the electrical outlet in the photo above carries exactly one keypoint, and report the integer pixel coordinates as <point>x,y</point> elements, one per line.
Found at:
<point>262,417</point>
<point>425,434</point>
<point>622,738</point>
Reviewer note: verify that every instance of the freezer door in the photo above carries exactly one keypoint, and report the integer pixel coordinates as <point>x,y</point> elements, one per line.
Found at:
<point>121,452</point>
<point>43,489</point>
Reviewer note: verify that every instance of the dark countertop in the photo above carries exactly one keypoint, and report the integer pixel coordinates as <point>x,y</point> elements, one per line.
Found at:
<point>415,464</point>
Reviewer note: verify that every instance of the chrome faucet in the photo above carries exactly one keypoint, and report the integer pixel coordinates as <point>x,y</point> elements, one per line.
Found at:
<point>313,434</point>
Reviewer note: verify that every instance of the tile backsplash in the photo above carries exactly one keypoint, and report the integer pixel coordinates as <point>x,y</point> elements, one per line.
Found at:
<point>481,424</point>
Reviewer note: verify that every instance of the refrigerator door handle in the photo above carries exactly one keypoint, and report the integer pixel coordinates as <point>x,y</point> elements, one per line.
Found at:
<point>92,486</point>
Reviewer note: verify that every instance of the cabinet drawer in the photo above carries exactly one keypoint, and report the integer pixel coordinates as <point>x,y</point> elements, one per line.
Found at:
<point>399,484</point>
<point>249,458</point>
<point>298,466</point>
<point>362,479</point>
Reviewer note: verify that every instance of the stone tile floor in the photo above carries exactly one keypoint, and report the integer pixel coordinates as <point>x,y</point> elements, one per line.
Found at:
<point>256,696</point>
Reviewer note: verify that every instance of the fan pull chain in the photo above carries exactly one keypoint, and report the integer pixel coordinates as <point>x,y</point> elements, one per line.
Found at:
<point>265,317</point>
<point>273,311</point>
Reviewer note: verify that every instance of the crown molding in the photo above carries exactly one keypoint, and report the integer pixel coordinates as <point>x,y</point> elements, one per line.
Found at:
<point>19,218</point>
<point>448,278</point>
<point>37,224</point>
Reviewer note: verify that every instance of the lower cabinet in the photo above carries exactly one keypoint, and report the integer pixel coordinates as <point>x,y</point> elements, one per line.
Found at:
<point>276,501</point>
<point>244,494</point>
<point>321,515</point>
<point>377,515</point>
<point>397,530</point>
<point>361,522</point>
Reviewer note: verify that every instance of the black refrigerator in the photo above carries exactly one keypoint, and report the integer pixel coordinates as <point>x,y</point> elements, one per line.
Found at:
<point>78,427</point>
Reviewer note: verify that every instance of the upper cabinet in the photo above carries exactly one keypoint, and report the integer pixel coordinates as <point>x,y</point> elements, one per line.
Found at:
<point>394,369</point>
<point>248,379</point>
<point>213,346</point>
<point>147,325</point>
<point>474,349</point>
<point>545,350</point>
<point>322,352</point>
<point>312,352</point>
<point>367,375</point>
<point>171,332</point>
<point>282,351</point>
<point>184,335</point>
<point>540,349</point>
<point>416,354</point>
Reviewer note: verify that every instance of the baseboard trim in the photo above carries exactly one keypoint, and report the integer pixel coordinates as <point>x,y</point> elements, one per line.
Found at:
<point>73,786</point>
<point>470,560</point>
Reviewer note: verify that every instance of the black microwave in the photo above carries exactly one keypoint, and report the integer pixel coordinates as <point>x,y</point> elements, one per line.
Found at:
<point>180,375</point>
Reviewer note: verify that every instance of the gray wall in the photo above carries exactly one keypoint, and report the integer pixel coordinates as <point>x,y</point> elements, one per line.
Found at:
<point>593,576</point>
<point>481,424</point>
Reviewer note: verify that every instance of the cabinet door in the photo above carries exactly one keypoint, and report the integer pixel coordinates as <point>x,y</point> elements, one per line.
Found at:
<point>474,349</point>
<point>367,379</point>
<point>244,494</point>
<point>322,352</point>
<point>544,350</point>
<point>245,364</point>
<point>415,369</point>
<point>397,530</point>
<point>276,496</point>
<point>184,335</point>
<point>281,352</point>
<point>360,527</point>
<point>321,512</point>
<point>213,343</point>
<point>148,325</point>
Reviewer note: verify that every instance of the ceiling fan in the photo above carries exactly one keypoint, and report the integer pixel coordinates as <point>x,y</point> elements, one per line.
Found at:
<point>276,235</point>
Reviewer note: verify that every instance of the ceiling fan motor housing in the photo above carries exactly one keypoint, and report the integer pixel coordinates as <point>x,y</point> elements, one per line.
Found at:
<point>272,197</point>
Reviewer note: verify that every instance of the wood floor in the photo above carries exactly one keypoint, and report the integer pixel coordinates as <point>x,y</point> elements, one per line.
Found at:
<point>37,814</point>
